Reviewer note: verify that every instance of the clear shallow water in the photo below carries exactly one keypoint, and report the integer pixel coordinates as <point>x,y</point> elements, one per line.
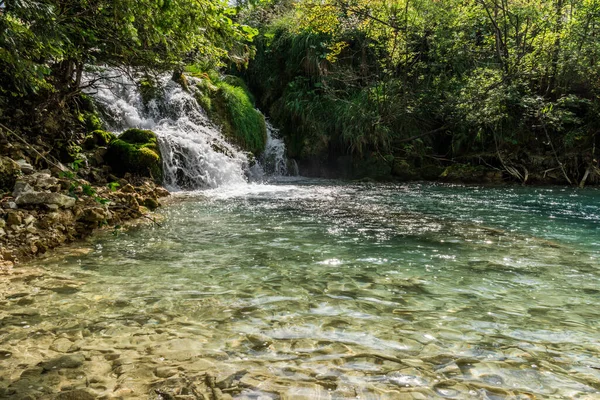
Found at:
<point>316,289</point>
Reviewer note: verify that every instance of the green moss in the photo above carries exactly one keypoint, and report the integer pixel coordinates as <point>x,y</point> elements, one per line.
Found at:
<point>98,138</point>
<point>230,105</point>
<point>233,108</point>
<point>139,136</point>
<point>136,151</point>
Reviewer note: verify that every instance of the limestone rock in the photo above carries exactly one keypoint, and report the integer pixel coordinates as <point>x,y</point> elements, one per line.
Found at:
<point>21,186</point>
<point>45,181</point>
<point>95,214</point>
<point>37,198</point>
<point>161,192</point>
<point>25,167</point>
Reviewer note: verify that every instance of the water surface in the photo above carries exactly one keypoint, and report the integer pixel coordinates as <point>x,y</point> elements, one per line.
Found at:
<point>315,289</point>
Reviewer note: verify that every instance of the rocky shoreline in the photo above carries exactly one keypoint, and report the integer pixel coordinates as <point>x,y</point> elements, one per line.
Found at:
<point>45,204</point>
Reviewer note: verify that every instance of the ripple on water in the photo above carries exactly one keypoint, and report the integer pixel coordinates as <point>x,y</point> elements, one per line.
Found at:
<point>320,290</point>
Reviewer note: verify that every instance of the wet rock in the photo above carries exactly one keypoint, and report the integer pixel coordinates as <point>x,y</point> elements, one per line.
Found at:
<point>259,341</point>
<point>75,395</point>
<point>65,289</point>
<point>161,192</point>
<point>67,361</point>
<point>165,372</point>
<point>32,373</point>
<point>151,204</point>
<point>43,198</point>
<point>61,345</point>
<point>26,312</point>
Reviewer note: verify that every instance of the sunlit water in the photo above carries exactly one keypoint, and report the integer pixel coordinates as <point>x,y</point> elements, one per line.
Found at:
<point>315,289</point>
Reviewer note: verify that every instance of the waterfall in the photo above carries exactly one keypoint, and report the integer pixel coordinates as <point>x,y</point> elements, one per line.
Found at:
<point>273,159</point>
<point>195,153</point>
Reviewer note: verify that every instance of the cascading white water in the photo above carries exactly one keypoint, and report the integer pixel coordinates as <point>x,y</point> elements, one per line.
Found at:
<point>195,153</point>
<point>273,159</point>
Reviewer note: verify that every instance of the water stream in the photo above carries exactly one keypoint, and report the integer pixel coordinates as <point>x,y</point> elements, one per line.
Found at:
<point>305,289</point>
<point>308,289</point>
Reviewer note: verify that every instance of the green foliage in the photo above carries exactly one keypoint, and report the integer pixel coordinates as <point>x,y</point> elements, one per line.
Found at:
<point>231,106</point>
<point>365,77</point>
<point>136,151</point>
<point>45,46</point>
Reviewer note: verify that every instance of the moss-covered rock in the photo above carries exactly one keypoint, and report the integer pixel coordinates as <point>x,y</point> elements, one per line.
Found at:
<point>466,173</point>
<point>98,138</point>
<point>231,106</point>
<point>9,171</point>
<point>136,151</point>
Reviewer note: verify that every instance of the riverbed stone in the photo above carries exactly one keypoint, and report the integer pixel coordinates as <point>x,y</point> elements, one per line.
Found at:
<point>66,361</point>
<point>78,394</point>
<point>165,372</point>
<point>61,345</point>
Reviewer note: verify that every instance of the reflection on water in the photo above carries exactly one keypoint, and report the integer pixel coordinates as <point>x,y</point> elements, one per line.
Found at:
<point>304,290</point>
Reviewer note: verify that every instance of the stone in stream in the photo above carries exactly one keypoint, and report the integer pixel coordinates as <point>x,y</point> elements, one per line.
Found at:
<point>78,394</point>
<point>66,361</point>
<point>61,345</point>
<point>165,372</point>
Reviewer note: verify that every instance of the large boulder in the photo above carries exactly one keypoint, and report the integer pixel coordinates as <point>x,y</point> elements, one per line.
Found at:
<point>9,171</point>
<point>136,151</point>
